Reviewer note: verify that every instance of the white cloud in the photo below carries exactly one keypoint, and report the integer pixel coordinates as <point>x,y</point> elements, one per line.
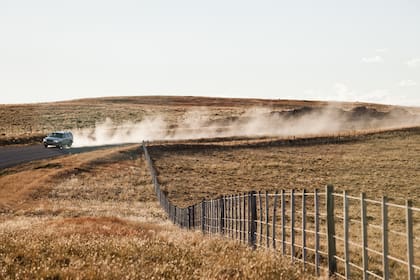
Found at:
<point>407,83</point>
<point>373,59</point>
<point>413,62</point>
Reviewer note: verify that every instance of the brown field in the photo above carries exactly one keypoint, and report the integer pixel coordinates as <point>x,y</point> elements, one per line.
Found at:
<point>95,216</point>
<point>383,164</point>
<point>28,123</point>
<point>34,119</point>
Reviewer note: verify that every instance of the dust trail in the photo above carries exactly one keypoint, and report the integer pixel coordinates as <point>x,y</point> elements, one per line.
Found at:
<point>200,123</point>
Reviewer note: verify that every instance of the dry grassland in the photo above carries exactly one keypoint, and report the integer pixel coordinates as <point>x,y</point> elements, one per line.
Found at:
<point>28,123</point>
<point>38,119</point>
<point>385,164</point>
<point>95,216</point>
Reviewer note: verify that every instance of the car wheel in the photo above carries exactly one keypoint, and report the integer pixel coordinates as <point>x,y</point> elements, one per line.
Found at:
<point>45,145</point>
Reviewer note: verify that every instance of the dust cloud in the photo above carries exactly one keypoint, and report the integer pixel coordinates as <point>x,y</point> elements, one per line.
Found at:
<point>254,122</point>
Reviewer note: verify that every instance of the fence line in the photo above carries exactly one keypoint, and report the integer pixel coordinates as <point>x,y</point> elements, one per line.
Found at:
<point>317,229</point>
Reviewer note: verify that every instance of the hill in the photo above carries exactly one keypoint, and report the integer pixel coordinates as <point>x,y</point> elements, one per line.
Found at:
<point>28,123</point>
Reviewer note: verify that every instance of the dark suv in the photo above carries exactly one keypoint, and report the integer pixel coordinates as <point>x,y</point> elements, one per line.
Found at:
<point>59,139</point>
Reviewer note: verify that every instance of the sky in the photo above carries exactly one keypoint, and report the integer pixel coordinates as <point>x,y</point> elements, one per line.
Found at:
<point>355,50</point>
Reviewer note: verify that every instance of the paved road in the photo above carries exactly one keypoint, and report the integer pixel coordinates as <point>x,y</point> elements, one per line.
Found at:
<point>11,156</point>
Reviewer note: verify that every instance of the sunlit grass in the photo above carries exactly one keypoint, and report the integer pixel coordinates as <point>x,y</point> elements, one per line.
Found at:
<point>103,222</point>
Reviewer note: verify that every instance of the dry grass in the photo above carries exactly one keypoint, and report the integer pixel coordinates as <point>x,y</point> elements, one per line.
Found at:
<point>91,249</point>
<point>95,216</point>
<point>28,123</point>
<point>17,121</point>
<point>385,164</point>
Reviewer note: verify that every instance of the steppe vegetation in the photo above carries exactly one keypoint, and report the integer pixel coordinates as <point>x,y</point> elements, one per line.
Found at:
<point>28,123</point>
<point>95,216</point>
<point>385,164</point>
<point>24,120</point>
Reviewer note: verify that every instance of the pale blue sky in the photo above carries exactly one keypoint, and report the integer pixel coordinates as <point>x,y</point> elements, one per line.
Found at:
<point>328,49</point>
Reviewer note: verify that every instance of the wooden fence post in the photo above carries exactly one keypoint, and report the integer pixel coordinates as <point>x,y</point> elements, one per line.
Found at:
<point>213,217</point>
<point>222,215</point>
<point>190,217</point>
<point>385,261</point>
<point>365,259</point>
<point>267,226</point>
<point>249,219</point>
<point>236,216</point>
<point>240,217</point>
<point>316,206</point>
<point>346,235</point>
<point>244,196</point>
<point>304,228</point>
<point>274,219</point>
<point>193,216</point>
<point>410,246</point>
<point>283,223</point>
<point>253,219</point>
<point>332,263</point>
<point>261,217</point>
<point>227,216</point>
<point>292,224</point>
<point>232,215</point>
<point>203,216</point>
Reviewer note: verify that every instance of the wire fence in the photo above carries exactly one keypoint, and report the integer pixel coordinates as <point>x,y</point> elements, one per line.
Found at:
<point>345,236</point>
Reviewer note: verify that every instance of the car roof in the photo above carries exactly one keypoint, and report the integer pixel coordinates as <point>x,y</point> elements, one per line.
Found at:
<point>61,132</point>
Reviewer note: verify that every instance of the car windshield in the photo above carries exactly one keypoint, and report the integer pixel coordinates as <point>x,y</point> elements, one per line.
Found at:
<point>57,135</point>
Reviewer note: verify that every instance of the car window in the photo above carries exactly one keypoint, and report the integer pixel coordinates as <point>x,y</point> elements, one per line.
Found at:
<point>57,135</point>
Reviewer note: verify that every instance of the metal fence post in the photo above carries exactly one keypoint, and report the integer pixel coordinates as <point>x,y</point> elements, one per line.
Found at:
<point>332,263</point>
